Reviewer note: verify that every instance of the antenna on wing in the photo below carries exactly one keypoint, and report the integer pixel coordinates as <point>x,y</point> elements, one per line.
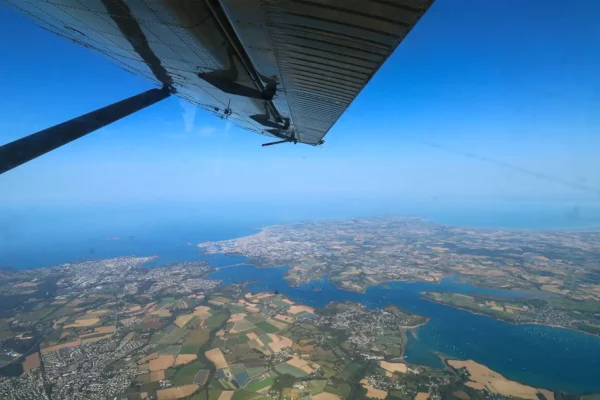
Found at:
<point>276,132</point>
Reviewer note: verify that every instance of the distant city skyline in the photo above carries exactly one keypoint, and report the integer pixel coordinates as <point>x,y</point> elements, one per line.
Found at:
<point>501,80</point>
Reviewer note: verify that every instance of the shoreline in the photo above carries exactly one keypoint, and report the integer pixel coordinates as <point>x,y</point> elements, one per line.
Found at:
<point>509,322</point>
<point>403,330</point>
<point>432,301</point>
<point>294,284</point>
<point>447,360</point>
<point>576,228</point>
<point>408,328</point>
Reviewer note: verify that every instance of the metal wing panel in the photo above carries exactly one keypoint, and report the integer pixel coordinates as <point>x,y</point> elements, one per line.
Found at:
<point>323,52</point>
<point>91,23</point>
<point>231,56</point>
<point>63,22</point>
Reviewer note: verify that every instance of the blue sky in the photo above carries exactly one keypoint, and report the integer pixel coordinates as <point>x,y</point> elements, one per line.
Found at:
<point>513,81</point>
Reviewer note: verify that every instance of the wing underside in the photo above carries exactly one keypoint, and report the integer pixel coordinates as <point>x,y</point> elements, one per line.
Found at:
<point>282,68</point>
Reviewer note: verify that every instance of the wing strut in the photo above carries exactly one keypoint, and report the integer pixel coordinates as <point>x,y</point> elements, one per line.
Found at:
<point>26,149</point>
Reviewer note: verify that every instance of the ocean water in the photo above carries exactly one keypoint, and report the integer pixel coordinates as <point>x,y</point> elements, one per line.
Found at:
<point>541,356</point>
<point>42,238</point>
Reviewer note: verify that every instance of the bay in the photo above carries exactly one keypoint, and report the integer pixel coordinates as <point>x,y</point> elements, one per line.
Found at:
<point>540,356</point>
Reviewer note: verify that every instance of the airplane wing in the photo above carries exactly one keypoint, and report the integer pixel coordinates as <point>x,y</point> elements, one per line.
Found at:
<point>282,68</point>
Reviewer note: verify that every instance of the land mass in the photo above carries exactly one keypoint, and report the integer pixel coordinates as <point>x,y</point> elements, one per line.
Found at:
<point>554,311</point>
<point>561,270</point>
<point>114,328</point>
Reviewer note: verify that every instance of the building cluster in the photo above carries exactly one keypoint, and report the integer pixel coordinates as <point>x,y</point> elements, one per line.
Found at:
<point>547,315</point>
<point>128,274</point>
<point>361,325</point>
<point>82,372</point>
<point>179,278</point>
<point>95,273</point>
<point>271,246</point>
<point>28,386</point>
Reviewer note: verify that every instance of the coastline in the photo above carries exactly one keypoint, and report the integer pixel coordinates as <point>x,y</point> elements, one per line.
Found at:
<point>296,284</point>
<point>292,283</point>
<point>403,329</point>
<point>415,326</point>
<point>486,379</point>
<point>508,322</point>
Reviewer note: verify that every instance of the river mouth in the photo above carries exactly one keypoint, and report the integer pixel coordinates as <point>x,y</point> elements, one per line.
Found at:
<point>541,356</point>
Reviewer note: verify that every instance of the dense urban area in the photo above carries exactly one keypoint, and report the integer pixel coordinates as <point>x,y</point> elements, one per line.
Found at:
<point>117,329</point>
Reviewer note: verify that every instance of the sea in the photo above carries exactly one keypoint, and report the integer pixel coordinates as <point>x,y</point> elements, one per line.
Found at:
<point>540,356</point>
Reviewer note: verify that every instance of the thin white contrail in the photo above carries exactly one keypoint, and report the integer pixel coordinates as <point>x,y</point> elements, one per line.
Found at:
<point>516,168</point>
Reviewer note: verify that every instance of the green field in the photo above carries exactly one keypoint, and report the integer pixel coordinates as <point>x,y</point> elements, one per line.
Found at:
<point>185,375</point>
<point>170,373</point>
<point>215,384</point>
<point>171,349</point>
<point>254,345</point>
<point>574,305</point>
<point>238,339</point>
<point>190,349</point>
<point>37,315</point>
<point>255,318</point>
<point>165,302</point>
<point>322,354</point>
<point>151,387</point>
<point>243,395</point>
<point>590,329</point>
<point>353,368</point>
<point>329,372</point>
<point>217,319</point>
<point>243,325</point>
<point>315,387</point>
<point>212,395</point>
<point>198,336</point>
<point>480,305</point>
<point>341,389</point>
<point>175,336</point>
<point>267,327</point>
<point>265,339</point>
<point>144,378</point>
<point>5,331</point>
<point>254,386</point>
<point>241,350</point>
<point>221,299</point>
<point>285,368</point>
<point>590,397</point>
<point>225,384</point>
<point>252,372</point>
<point>157,337</point>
